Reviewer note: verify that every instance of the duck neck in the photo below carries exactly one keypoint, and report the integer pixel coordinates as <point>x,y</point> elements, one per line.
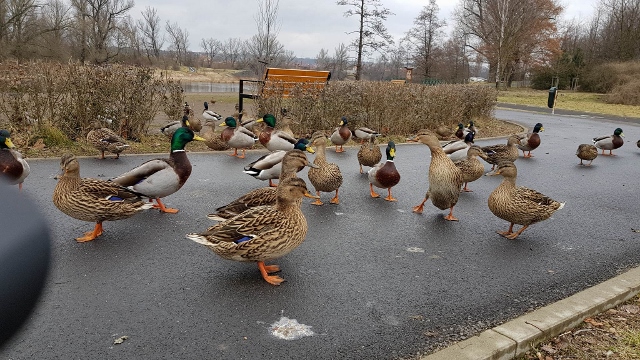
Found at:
<point>508,183</point>
<point>182,164</point>
<point>287,205</point>
<point>321,154</point>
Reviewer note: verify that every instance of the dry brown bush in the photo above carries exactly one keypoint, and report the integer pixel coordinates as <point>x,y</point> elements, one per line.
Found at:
<point>398,109</point>
<point>39,96</point>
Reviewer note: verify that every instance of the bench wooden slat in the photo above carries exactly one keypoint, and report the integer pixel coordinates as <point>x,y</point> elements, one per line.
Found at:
<point>272,72</point>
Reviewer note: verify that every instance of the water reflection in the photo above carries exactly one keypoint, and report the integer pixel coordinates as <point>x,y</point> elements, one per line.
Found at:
<point>205,87</point>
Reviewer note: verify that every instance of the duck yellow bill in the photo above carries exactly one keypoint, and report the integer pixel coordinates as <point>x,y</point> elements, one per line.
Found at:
<point>199,138</point>
<point>310,149</point>
<point>260,120</point>
<point>9,143</point>
<point>222,124</point>
<point>307,194</point>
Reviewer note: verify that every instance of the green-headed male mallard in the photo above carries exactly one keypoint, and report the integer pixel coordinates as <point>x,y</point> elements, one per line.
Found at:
<point>237,137</point>
<point>171,127</point>
<point>13,168</point>
<point>105,139</point>
<point>269,166</point>
<point>385,175</point>
<point>158,178</point>
<point>93,200</point>
<point>609,142</point>
<point>341,134</point>
<point>472,169</point>
<point>445,178</point>
<point>518,204</point>
<point>587,152</point>
<point>369,154</point>
<point>262,233</point>
<point>530,141</point>
<point>293,162</point>
<point>274,139</point>
<point>502,152</point>
<point>326,176</point>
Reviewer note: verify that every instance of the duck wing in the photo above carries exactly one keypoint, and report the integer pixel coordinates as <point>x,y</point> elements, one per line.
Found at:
<point>142,172</point>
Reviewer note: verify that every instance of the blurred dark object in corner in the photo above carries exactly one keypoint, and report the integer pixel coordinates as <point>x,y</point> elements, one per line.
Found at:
<point>24,259</point>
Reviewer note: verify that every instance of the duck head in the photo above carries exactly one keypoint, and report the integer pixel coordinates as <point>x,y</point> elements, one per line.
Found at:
<point>230,121</point>
<point>618,132</point>
<point>538,128</point>
<point>391,151</point>
<point>5,140</point>
<point>304,145</point>
<point>268,119</point>
<point>343,121</point>
<point>182,137</point>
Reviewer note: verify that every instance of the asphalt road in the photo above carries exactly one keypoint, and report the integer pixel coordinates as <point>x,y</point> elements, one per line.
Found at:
<point>372,280</point>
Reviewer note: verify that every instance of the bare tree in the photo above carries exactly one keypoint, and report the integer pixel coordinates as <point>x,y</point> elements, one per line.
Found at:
<point>18,26</point>
<point>340,62</point>
<point>211,47</point>
<point>424,37</point>
<point>150,29</point>
<point>232,50</point>
<point>323,60</point>
<point>372,34</point>
<point>56,17</point>
<point>179,42</point>
<point>264,46</point>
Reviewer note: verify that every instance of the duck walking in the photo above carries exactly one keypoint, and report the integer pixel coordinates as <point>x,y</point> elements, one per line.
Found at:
<point>274,139</point>
<point>364,134</point>
<point>105,139</point>
<point>162,177</point>
<point>587,152</point>
<point>326,176</point>
<point>518,204</point>
<point>212,139</point>
<point>210,114</point>
<point>93,200</point>
<point>13,168</point>
<point>445,178</point>
<point>472,169</point>
<point>171,127</point>
<point>269,166</point>
<point>293,162</point>
<point>341,134</point>
<point>385,175</point>
<point>457,150</point>
<point>609,142</point>
<point>262,233</point>
<point>502,152</point>
<point>369,154</point>
<point>237,137</point>
<point>530,141</point>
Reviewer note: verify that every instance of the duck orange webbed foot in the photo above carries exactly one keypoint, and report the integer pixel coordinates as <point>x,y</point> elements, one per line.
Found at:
<point>91,235</point>
<point>266,269</point>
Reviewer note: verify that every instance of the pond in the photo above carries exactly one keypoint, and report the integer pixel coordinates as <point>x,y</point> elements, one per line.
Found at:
<point>206,87</point>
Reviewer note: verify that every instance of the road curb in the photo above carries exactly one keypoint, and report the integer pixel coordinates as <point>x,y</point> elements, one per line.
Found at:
<point>515,337</point>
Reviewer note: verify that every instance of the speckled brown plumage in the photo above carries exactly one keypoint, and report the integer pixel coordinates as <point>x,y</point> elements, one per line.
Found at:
<point>502,152</point>
<point>261,233</point>
<point>105,139</point>
<point>472,169</point>
<point>369,154</point>
<point>587,152</point>
<point>326,176</point>
<point>518,204</point>
<point>292,163</point>
<point>445,178</point>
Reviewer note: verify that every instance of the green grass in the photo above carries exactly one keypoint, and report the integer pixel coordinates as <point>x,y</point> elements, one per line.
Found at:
<point>568,100</point>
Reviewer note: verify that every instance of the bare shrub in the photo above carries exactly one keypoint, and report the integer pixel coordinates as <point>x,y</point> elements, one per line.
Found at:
<point>398,109</point>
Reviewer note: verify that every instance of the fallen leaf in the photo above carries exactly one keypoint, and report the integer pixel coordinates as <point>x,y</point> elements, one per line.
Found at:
<point>39,145</point>
<point>593,322</point>
<point>549,349</point>
<point>120,340</point>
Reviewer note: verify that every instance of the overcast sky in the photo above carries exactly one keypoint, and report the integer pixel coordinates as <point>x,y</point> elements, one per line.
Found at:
<point>305,26</point>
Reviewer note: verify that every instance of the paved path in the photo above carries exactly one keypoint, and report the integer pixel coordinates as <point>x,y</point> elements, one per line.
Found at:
<point>372,279</point>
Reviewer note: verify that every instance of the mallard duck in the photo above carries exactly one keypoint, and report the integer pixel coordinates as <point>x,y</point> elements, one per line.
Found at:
<point>274,139</point>
<point>445,178</point>
<point>518,204</point>
<point>269,166</point>
<point>13,167</point>
<point>326,177</point>
<point>459,132</point>
<point>262,233</point>
<point>502,152</point>
<point>609,142</point>
<point>105,139</point>
<point>158,178</point>
<point>471,127</point>
<point>237,137</point>
<point>341,134</point>
<point>530,141</point>
<point>93,200</point>
<point>369,154</point>
<point>210,114</point>
<point>472,169</point>
<point>292,163</point>
<point>170,128</point>
<point>364,134</point>
<point>212,139</point>
<point>457,150</point>
<point>587,152</point>
<point>385,175</point>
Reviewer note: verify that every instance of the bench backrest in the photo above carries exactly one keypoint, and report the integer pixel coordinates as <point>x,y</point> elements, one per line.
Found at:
<point>283,81</point>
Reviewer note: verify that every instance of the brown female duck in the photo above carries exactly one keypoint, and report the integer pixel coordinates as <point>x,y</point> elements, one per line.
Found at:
<point>369,154</point>
<point>472,169</point>
<point>105,139</point>
<point>518,204</point>
<point>587,152</point>
<point>158,178</point>
<point>93,200</point>
<point>445,178</point>
<point>325,176</point>
<point>502,152</point>
<point>212,139</point>
<point>262,233</point>
<point>385,175</point>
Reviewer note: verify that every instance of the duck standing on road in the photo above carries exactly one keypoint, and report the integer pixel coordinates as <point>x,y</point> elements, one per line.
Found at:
<point>587,152</point>
<point>609,142</point>
<point>13,168</point>
<point>530,141</point>
<point>341,134</point>
<point>518,204</point>
<point>105,139</point>
<point>385,175</point>
<point>502,152</point>
<point>269,166</point>
<point>369,154</point>
<point>472,169</point>
<point>237,137</point>
<point>326,176</point>
<point>445,178</point>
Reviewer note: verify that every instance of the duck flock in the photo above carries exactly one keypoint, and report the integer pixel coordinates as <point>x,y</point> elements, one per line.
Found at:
<point>267,223</point>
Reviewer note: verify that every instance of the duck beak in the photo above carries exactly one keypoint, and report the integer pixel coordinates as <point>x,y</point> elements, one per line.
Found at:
<point>260,120</point>
<point>412,139</point>
<point>312,165</point>
<point>199,138</point>
<point>310,150</point>
<point>222,124</point>
<point>307,194</point>
<point>9,143</point>
<point>541,129</point>
<point>621,134</point>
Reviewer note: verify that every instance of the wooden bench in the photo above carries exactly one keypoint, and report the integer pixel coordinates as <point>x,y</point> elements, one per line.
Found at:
<point>282,82</point>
